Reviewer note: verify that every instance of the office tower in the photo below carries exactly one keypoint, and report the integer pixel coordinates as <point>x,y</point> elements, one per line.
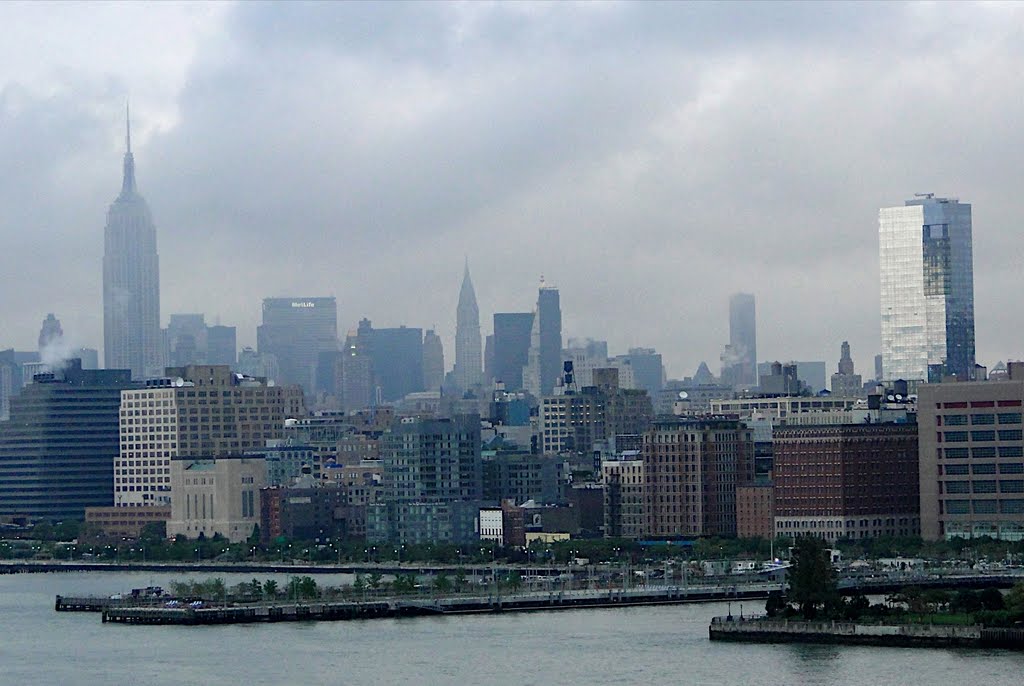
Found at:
<point>296,331</point>
<point>259,365</point>
<point>433,361</point>
<point>196,411</point>
<point>647,369</point>
<point>131,282</point>
<point>845,383</point>
<point>511,347</point>
<point>739,360</point>
<point>221,345</point>
<point>489,360</point>
<point>846,481</point>
<point>396,357</point>
<point>57,449</point>
<point>186,339</point>
<point>927,284</point>
<point>468,356</point>
<point>878,367</point>
<point>692,469</point>
<point>51,333</point>
<point>544,363</point>
<point>972,459</point>
<point>356,384</point>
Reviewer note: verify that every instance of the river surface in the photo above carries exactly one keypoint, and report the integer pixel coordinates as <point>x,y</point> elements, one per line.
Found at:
<point>655,645</point>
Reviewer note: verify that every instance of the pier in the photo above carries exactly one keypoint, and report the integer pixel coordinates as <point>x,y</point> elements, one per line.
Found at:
<point>284,611</point>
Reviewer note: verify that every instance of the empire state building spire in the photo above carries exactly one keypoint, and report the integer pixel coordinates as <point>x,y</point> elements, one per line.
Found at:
<point>128,181</point>
<point>468,370</point>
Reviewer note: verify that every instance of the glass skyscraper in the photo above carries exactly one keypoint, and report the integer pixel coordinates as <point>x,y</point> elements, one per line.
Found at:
<point>927,284</point>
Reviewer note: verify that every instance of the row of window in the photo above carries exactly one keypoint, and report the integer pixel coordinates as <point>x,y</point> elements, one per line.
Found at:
<point>984,486</point>
<point>982,468</point>
<point>982,452</point>
<point>986,435</point>
<point>980,419</point>
<point>1006,506</point>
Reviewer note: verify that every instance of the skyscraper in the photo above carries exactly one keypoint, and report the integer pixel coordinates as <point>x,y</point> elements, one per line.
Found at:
<point>845,383</point>
<point>544,364</point>
<point>131,281</point>
<point>927,284</point>
<point>296,331</point>
<point>50,333</point>
<point>468,356</point>
<point>433,361</point>
<point>739,360</point>
<point>511,347</point>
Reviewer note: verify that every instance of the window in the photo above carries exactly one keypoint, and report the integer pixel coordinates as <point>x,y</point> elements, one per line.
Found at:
<point>1012,506</point>
<point>983,419</point>
<point>1009,417</point>
<point>958,487</point>
<point>984,486</point>
<point>956,469</point>
<point>983,452</point>
<point>1011,451</point>
<point>1011,486</point>
<point>955,453</point>
<point>1010,435</point>
<point>1012,468</point>
<point>984,507</point>
<point>984,468</point>
<point>958,506</point>
<point>955,420</point>
<point>956,436</point>
<point>983,435</point>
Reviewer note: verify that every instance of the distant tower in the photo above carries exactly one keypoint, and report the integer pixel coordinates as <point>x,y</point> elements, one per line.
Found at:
<point>433,361</point>
<point>544,363</point>
<point>739,361</point>
<point>927,286</point>
<point>468,370</point>
<point>845,361</point>
<point>51,332</point>
<point>131,280</point>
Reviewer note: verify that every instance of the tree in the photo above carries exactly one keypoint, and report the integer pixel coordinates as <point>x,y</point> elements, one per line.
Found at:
<point>442,584</point>
<point>270,589</point>
<point>812,582</point>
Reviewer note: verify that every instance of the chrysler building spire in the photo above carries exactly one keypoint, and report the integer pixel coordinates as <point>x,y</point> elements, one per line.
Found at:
<point>468,370</point>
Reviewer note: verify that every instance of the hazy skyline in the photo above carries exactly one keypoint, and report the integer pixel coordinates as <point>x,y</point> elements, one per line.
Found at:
<point>647,159</point>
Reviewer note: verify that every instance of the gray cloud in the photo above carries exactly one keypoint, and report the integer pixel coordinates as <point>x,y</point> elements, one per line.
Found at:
<point>648,159</point>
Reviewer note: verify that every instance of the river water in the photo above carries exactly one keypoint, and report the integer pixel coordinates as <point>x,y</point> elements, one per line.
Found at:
<point>656,645</point>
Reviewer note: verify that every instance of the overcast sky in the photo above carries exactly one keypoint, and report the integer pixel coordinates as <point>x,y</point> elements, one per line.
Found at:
<point>647,159</point>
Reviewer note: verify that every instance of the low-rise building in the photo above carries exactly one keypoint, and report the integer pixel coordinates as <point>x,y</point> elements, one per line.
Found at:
<point>216,496</point>
<point>124,522</point>
<point>624,498</point>
<point>755,511</point>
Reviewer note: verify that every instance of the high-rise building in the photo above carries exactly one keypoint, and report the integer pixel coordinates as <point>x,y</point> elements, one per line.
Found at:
<point>468,356</point>
<point>221,345</point>
<point>511,347</point>
<point>199,411</point>
<point>927,284</point>
<point>396,357</point>
<point>544,363</point>
<point>972,459</point>
<point>131,282</point>
<point>845,383</point>
<point>50,333</point>
<point>739,360</point>
<point>432,482</point>
<point>186,339</point>
<point>57,449</point>
<point>692,468</point>
<point>647,369</point>
<point>356,383</point>
<point>296,331</point>
<point>433,361</point>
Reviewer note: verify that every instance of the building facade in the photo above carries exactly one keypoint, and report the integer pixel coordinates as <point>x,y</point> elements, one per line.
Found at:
<point>58,447</point>
<point>692,469</point>
<point>216,496</point>
<point>739,361</point>
<point>972,460</point>
<point>625,498</point>
<point>927,285</point>
<point>846,481</point>
<point>511,347</point>
<point>544,359</point>
<point>131,282</point>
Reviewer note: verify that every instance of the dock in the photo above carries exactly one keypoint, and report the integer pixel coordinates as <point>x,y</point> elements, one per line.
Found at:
<point>292,611</point>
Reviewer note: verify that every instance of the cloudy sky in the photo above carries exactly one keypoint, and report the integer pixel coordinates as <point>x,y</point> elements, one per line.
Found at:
<point>647,159</point>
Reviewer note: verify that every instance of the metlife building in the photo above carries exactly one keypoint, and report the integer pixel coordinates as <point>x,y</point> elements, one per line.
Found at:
<point>296,331</point>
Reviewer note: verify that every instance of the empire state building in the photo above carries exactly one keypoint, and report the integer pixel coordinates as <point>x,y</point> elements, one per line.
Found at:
<point>131,281</point>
